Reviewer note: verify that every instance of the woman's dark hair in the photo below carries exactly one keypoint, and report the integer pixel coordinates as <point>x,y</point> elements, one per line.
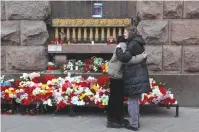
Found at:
<point>120,39</point>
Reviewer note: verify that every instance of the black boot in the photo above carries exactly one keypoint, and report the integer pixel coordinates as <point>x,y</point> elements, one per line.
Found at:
<point>131,128</point>
<point>124,121</point>
<point>113,124</point>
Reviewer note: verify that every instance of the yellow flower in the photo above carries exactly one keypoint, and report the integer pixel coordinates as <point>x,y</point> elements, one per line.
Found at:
<point>6,90</point>
<point>43,86</point>
<point>82,96</point>
<point>43,91</point>
<point>106,67</point>
<point>95,87</point>
<point>75,86</point>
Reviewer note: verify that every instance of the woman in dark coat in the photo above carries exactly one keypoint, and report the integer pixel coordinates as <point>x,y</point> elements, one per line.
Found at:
<point>136,78</point>
<point>115,70</point>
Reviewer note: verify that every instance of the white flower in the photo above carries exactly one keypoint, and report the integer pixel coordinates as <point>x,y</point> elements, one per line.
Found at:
<point>36,91</point>
<point>69,91</point>
<point>12,96</point>
<point>51,64</point>
<point>33,75</point>
<point>66,97</point>
<point>74,100</point>
<point>80,103</point>
<point>79,90</point>
<point>24,96</point>
<point>156,92</point>
<point>18,100</point>
<point>88,92</point>
<point>48,102</point>
<point>2,78</point>
<point>25,76</point>
<point>11,80</point>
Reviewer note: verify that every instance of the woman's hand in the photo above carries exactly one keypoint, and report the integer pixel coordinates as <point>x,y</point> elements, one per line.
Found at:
<point>144,54</point>
<point>118,46</point>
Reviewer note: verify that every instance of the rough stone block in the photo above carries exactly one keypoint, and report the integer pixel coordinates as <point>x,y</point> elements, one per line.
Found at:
<point>172,58</point>
<point>33,32</point>
<point>173,9</point>
<point>191,58</point>
<point>3,15</point>
<point>185,31</point>
<point>26,58</point>
<point>154,31</point>
<point>10,32</point>
<point>27,10</point>
<point>3,54</point>
<point>150,9</point>
<point>154,59</point>
<point>191,9</point>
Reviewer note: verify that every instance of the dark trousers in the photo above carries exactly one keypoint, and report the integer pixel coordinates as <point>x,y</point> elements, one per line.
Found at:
<point>115,104</point>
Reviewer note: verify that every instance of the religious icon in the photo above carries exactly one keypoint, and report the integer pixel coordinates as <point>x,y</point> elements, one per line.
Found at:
<point>97,10</point>
<point>110,40</point>
<point>62,36</point>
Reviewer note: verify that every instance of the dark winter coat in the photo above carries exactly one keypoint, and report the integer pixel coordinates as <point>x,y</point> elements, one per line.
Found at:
<point>136,77</point>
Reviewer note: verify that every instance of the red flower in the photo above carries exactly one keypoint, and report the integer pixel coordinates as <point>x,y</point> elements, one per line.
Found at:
<point>86,99</point>
<point>72,94</point>
<point>145,100</point>
<point>49,77</point>
<point>17,83</point>
<point>61,104</point>
<point>103,81</point>
<point>82,84</point>
<point>101,93</point>
<point>154,84</point>
<point>65,86</point>
<point>162,90</point>
<point>100,105</point>
<point>26,101</point>
<point>40,79</point>
<point>50,68</point>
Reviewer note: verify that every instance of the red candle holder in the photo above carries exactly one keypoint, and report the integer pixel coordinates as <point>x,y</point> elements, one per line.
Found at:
<point>75,41</point>
<point>57,41</point>
<point>52,42</point>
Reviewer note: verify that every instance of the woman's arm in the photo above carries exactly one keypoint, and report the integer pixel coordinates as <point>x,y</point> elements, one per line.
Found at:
<point>137,59</point>
<point>124,56</point>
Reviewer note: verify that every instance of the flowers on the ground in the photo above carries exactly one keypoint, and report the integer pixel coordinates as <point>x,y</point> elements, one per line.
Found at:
<point>60,92</point>
<point>158,95</point>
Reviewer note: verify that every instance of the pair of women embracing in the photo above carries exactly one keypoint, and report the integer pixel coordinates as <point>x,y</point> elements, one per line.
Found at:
<point>129,77</point>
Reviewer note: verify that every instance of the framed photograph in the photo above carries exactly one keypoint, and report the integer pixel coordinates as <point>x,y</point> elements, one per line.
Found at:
<point>97,10</point>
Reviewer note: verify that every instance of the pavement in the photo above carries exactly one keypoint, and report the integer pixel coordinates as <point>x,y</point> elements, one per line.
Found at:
<point>151,120</point>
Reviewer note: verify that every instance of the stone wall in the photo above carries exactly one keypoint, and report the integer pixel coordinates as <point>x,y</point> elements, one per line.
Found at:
<point>171,31</point>
<point>24,35</point>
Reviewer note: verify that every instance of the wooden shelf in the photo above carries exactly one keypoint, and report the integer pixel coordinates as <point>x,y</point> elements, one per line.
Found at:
<point>86,48</point>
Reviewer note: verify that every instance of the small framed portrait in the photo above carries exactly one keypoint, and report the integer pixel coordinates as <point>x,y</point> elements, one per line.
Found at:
<point>97,10</point>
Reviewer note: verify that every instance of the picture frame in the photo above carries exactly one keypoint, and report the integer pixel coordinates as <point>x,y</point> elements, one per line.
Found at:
<point>97,11</point>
